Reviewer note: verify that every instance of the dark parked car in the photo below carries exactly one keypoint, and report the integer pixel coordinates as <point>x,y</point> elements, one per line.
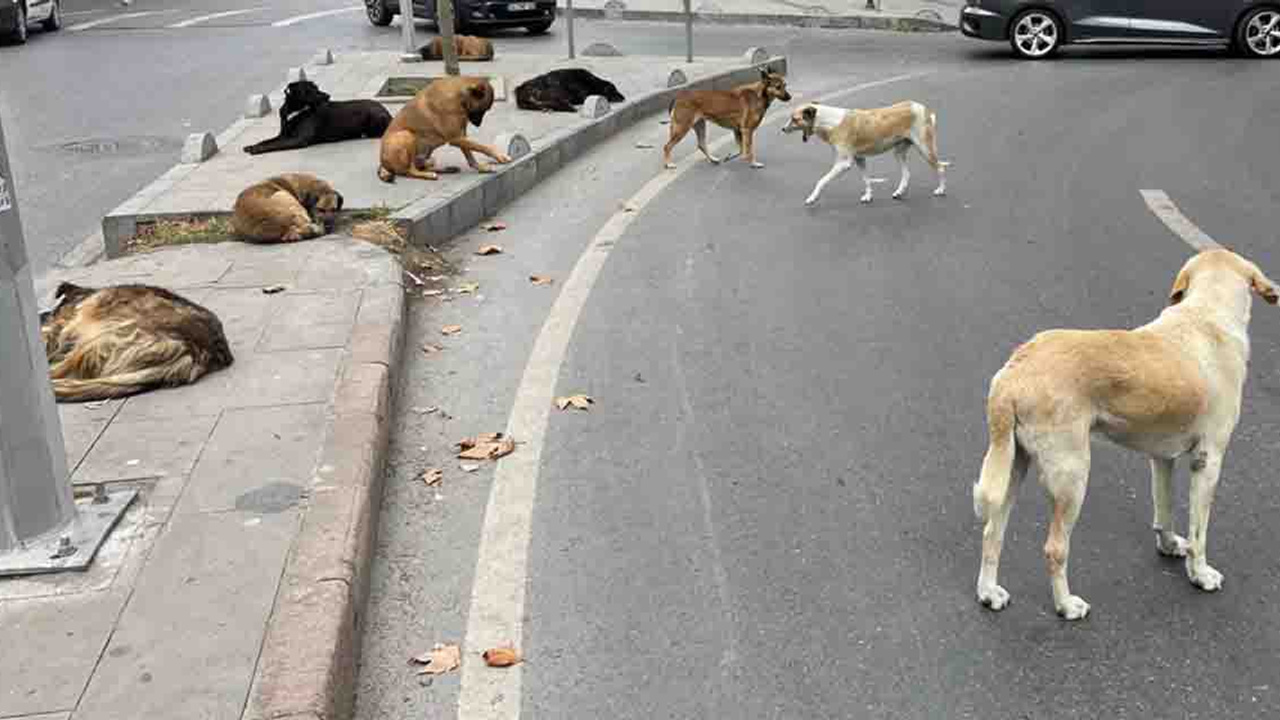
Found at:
<point>471,15</point>
<point>1038,28</point>
<point>17,16</point>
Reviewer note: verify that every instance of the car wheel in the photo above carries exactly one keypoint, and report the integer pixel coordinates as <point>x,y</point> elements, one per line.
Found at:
<point>538,28</point>
<point>54,21</point>
<point>18,34</point>
<point>378,12</point>
<point>1035,34</point>
<point>1258,34</point>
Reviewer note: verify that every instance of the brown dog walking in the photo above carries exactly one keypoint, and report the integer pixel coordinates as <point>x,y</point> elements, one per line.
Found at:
<point>741,110</point>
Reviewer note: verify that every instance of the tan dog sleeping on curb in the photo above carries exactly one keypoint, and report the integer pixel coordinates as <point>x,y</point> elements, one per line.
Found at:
<point>468,47</point>
<point>436,116</point>
<point>286,208</point>
<point>741,110</point>
<point>1169,388</point>
<point>118,341</point>
<point>857,134</point>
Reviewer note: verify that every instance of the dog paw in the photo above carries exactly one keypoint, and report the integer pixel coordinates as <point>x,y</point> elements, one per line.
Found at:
<point>865,199</point>
<point>994,598</point>
<point>899,194</point>
<point>810,200</point>
<point>757,165</point>
<point>502,159</point>
<point>1205,578</point>
<point>669,166</point>
<point>1171,545</point>
<point>940,192</point>
<point>714,160</point>
<point>1073,607</point>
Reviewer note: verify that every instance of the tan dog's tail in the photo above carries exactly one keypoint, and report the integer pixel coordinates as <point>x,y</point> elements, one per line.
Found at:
<point>181,370</point>
<point>992,489</point>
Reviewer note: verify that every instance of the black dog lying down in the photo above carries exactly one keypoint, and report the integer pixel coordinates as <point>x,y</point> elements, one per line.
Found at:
<point>560,90</point>
<point>309,117</point>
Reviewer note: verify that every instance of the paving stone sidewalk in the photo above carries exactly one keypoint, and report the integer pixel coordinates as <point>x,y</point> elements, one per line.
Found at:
<point>246,543</point>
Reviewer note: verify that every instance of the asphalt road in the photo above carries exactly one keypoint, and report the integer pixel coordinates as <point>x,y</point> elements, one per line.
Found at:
<point>767,512</point>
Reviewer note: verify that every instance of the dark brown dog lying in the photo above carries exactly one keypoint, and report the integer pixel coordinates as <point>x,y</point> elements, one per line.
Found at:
<point>740,110</point>
<point>286,208</point>
<point>123,340</point>
<point>436,116</point>
<point>469,47</point>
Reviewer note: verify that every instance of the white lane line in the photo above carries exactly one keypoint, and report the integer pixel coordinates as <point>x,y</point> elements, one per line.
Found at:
<point>497,595</point>
<point>77,13</point>
<point>212,16</point>
<point>311,16</point>
<point>1180,224</point>
<point>112,19</point>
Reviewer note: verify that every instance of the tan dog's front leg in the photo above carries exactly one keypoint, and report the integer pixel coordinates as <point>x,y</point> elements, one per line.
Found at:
<point>1167,543</point>
<point>1206,464</point>
<point>469,146</point>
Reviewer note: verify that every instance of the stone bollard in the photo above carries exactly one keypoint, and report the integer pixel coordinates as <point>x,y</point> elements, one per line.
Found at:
<point>296,74</point>
<point>324,57</point>
<point>677,78</point>
<point>257,106</point>
<point>595,106</point>
<point>613,9</point>
<point>601,50</point>
<point>514,145</point>
<point>198,148</point>
<point>756,55</point>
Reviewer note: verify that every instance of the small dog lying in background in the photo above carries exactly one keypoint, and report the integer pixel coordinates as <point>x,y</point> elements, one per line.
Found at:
<point>468,47</point>
<point>118,341</point>
<point>309,117</point>
<point>562,90</point>
<point>286,208</point>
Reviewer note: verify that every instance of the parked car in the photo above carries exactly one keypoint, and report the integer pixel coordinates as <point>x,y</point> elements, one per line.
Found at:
<point>17,17</point>
<point>1039,28</point>
<point>535,16</point>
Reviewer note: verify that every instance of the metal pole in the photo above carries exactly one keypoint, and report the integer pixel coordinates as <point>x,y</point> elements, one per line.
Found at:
<point>409,53</point>
<point>568,17</point>
<point>444,19</point>
<point>688,30</point>
<point>35,488</point>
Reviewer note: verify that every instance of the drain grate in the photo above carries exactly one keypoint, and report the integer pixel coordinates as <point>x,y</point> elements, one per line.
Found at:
<point>122,146</point>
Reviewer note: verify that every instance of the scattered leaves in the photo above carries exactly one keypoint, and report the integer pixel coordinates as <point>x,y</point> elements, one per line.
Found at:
<point>467,288</point>
<point>273,289</point>
<point>432,476</point>
<point>541,280</point>
<point>495,226</point>
<point>489,250</point>
<point>486,446</point>
<point>449,330</point>
<point>577,402</point>
<point>501,657</point>
<point>441,659</point>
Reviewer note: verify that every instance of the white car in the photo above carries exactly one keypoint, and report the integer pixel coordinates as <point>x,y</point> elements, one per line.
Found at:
<point>17,16</point>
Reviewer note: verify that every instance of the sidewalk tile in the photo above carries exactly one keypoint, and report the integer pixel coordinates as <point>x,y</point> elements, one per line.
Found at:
<point>311,320</point>
<point>146,448</point>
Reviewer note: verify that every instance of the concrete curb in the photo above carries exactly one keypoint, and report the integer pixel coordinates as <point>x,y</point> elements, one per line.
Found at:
<point>896,23</point>
<point>310,656</point>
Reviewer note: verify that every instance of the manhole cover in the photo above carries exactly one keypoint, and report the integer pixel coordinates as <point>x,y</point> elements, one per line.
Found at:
<point>131,145</point>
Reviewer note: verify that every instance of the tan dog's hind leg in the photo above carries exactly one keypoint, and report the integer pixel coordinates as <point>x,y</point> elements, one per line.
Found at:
<point>930,153</point>
<point>700,129</point>
<point>1003,468</point>
<point>1064,470</point>
<point>1206,464</point>
<point>1167,543</point>
<point>900,152</point>
<point>990,594</point>
<point>681,123</point>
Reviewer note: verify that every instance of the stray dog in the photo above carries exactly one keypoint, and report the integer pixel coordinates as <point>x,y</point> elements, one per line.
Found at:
<point>740,110</point>
<point>1169,388</point>
<point>856,134</point>
<point>561,90</point>
<point>286,208</point>
<point>118,341</point>
<point>309,117</point>
<point>436,116</point>
<point>468,47</point>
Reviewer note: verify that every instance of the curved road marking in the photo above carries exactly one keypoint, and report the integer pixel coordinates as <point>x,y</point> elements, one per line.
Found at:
<point>311,16</point>
<point>1180,224</point>
<point>497,594</point>
<point>212,16</point>
<point>112,19</point>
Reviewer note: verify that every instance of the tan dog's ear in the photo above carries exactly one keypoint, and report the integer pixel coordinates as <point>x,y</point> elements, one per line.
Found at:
<point>1180,285</point>
<point>1262,285</point>
<point>810,115</point>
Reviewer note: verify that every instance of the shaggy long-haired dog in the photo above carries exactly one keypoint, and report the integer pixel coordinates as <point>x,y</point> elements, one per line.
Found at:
<point>118,341</point>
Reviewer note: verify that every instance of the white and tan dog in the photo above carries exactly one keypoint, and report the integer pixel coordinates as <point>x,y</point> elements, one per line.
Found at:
<point>1169,388</point>
<point>857,134</point>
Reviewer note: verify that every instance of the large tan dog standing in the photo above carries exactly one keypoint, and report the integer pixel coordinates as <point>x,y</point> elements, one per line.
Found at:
<point>1169,388</point>
<point>857,134</point>
<point>286,208</point>
<point>741,110</point>
<point>436,116</point>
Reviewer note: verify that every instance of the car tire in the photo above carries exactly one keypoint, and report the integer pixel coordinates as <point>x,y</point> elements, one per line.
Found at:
<point>18,33</point>
<point>379,14</point>
<point>538,28</point>
<point>1258,34</point>
<point>1035,34</point>
<point>53,23</point>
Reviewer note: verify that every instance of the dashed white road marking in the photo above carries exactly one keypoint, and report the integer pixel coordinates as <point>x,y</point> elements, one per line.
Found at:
<point>213,16</point>
<point>112,19</point>
<point>1180,224</point>
<point>497,596</point>
<point>312,16</point>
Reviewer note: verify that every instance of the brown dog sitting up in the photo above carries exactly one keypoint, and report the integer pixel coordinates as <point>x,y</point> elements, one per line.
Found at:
<point>468,47</point>
<point>286,208</point>
<point>741,110</point>
<point>437,115</point>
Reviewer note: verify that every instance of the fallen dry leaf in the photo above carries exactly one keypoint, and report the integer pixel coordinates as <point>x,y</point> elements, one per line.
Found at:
<point>432,293</point>
<point>273,289</point>
<point>432,476</point>
<point>644,145</point>
<point>428,410</point>
<point>501,657</point>
<point>449,330</point>
<point>489,250</point>
<point>432,348</point>
<point>540,280</point>
<point>441,659</point>
<point>466,288</point>
<point>486,446</point>
<point>495,226</point>
<point>628,207</point>
<point>468,467</point>
<point>577,402</point>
